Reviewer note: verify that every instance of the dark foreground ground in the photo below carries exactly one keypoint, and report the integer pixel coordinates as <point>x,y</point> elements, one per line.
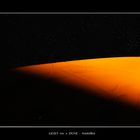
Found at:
<point>30,100</point>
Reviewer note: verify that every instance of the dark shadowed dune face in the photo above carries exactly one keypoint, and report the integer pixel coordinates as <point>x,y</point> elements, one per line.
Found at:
<point>32,100</point>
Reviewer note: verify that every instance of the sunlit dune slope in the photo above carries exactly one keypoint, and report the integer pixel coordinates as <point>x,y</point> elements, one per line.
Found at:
<point>117,78</point>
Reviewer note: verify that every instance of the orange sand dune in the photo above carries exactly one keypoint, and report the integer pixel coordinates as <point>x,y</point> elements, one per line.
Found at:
<point>117,78</point>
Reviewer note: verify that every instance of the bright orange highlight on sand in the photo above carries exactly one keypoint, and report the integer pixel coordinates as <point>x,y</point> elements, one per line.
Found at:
<point>117,78</point>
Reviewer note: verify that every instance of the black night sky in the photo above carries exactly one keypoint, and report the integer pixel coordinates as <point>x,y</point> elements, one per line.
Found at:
<point>45,38</point>
<point>50,38</point>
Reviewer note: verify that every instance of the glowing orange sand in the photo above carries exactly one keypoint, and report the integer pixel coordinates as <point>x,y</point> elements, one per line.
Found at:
<point>117,78</point>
